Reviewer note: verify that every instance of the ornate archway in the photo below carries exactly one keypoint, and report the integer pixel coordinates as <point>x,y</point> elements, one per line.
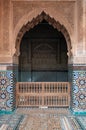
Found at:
<point>31,24</point>
<point>34,22</point>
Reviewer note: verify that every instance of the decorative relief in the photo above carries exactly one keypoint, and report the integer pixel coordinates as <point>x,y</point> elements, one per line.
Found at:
<point>20,8</point>
<point>34,22</point>
<point>6,23</point>
<point>80,23</point>
<point>7,89</point>
<point>79,90</point>
<point>44,56</point>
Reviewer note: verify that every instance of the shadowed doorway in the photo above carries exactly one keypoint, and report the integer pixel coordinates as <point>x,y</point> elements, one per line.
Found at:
<point>43,64</point>
<point>43,55</point>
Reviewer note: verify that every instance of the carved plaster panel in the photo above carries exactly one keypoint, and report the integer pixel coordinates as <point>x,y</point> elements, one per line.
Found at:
<point>21,8</point>
<point>34,22</point>
<point>6,9</point>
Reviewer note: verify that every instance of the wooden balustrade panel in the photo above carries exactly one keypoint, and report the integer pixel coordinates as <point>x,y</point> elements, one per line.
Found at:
<point>42,94</point>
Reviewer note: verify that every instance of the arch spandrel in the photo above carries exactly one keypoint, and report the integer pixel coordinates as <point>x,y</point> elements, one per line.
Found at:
<point>34,21</point>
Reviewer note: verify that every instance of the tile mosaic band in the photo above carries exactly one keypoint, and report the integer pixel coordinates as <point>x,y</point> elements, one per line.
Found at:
<point>9,77</point>
<point>7,87</point>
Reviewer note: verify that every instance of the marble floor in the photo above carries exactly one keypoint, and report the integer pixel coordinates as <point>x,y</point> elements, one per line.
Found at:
<point>42,119</point>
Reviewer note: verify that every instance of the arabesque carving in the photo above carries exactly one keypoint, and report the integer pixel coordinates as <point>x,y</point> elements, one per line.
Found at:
<point>34,22</point>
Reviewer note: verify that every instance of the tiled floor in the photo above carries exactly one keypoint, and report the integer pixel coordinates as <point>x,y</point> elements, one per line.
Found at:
<point>12,121</point>
<point>43,119</point>
<point>82,121</point>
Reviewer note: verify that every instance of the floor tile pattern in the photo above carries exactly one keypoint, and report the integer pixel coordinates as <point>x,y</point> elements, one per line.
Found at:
<point>82,121</point>
<point>43,119</point>
<point>11,120</point>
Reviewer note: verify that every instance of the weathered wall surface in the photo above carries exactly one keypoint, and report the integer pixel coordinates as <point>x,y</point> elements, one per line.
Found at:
<point>80,32</point>
<point>5,29</point>
<point>15,13</point>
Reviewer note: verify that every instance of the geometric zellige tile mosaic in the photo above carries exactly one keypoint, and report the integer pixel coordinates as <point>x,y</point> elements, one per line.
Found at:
<point>79,90</point>
<point>7,90</point>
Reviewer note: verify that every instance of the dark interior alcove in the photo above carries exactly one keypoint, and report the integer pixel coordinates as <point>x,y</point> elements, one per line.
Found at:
<point>43,55</point>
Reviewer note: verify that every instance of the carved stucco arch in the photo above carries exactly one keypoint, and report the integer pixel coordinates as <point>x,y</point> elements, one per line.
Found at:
<point>43,15</point>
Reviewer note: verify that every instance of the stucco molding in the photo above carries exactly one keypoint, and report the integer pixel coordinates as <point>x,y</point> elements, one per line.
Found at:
<point>34,22</point>
<point>34,13</point>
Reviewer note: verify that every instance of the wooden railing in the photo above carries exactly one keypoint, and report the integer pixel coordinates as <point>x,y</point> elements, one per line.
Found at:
<point>42,94</point>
